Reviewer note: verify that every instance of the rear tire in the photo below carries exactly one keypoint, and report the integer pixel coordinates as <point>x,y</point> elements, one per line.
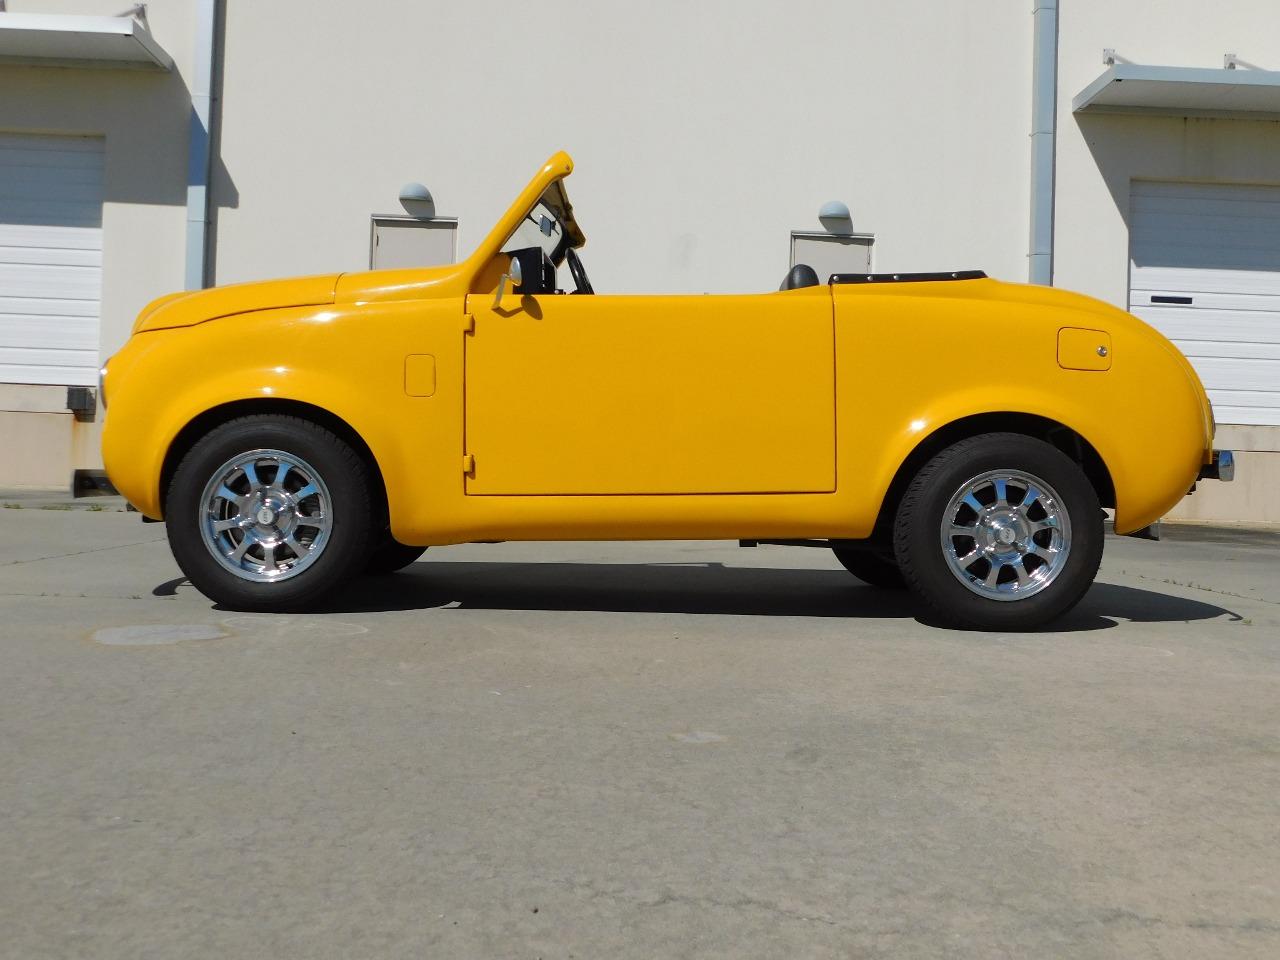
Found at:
<point>269,513</point>
<point>999,532</point>
<point>871,567</point>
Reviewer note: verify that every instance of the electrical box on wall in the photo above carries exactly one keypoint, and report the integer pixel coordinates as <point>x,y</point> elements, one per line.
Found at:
<point>831,253</point>
<point>400,242</point>
<point>83,402</point>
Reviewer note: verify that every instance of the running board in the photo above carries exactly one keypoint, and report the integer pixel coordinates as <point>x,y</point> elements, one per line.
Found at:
<point>785,543</point>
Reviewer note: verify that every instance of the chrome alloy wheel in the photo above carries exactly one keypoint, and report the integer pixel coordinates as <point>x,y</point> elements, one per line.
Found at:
<point>265,515</point>
<point>1006,535</point>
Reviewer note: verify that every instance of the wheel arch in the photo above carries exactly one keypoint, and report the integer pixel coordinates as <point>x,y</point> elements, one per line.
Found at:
<point>1064,438</point>
<point>211,419</point>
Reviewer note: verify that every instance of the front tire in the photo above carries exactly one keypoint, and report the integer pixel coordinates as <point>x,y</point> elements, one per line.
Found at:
<point>269,513</point>
<point>390,555</point>
<point>999,532</point>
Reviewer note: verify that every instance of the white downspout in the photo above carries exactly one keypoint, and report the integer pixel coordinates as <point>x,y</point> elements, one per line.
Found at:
<point>200,147</point>
<point>1044,125</point>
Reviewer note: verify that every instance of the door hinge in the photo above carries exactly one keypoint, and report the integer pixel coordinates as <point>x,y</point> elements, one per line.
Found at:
<point>468,323</point>
<point>468,465</point>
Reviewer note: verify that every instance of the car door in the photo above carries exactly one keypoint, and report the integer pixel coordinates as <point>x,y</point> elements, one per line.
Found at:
<point>650,395</point>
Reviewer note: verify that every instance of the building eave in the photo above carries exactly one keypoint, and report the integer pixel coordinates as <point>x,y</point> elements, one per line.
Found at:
<point>1135,88</point>
<point>64,40</point>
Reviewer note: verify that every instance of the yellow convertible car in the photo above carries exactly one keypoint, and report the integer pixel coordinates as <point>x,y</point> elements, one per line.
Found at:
<point>944,432</point>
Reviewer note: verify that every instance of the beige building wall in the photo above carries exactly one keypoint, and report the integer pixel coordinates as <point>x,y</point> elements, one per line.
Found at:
<point>143,117</point>
<point>704,133</point>
<point>1099,156</point>
<point>699,150</point>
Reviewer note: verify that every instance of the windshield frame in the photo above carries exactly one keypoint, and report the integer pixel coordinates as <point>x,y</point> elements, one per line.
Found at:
<point>556,201</point>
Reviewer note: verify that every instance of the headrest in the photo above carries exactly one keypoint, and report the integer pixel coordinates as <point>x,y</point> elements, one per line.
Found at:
<point>801,275</point>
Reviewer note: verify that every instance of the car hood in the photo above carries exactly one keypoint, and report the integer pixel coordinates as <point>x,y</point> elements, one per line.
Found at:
<point>413,283</point>
<point>188,309</point>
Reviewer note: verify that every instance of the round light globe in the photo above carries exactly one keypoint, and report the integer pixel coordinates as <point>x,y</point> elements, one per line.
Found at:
<point>835,217</point>
<point>415,193</point>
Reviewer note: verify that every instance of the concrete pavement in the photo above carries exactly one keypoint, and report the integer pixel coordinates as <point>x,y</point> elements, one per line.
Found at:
<point>632,750</point>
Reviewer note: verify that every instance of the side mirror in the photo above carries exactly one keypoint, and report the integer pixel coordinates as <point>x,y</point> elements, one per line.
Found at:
<point>514,275</point>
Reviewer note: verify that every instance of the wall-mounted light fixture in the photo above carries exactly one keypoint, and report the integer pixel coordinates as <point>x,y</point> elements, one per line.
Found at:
<point>415,191</point>
<point>417,200</point>
<point>835,217</point>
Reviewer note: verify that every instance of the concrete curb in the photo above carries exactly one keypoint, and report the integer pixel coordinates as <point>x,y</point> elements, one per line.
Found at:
<point>27,499</point>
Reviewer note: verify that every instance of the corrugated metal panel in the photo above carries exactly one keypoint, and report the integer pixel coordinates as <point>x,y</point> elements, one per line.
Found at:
<point>1205,271</point>
<point>51,196</point>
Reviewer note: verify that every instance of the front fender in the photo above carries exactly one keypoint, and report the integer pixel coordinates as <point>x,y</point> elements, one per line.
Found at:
<point>348,363</point>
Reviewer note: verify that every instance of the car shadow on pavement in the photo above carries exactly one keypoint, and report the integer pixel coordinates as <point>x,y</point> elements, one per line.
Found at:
<point>701,588</point>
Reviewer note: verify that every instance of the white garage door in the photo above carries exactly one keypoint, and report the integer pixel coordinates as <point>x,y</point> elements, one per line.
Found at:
<point>1205,271</point>
<point>50,258</point>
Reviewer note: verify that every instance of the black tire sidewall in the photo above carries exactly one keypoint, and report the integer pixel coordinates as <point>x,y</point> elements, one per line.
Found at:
<point>390,555</point>
<point>918,547</point>
<point>870,567</point>
<point>344,475</point>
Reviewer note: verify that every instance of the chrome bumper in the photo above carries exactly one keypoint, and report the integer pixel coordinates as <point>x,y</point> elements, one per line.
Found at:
<point>1222,468</point>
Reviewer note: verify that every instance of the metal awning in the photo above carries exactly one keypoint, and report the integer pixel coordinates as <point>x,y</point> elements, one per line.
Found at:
<point>1182,92</point>
<point>64,40</point>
